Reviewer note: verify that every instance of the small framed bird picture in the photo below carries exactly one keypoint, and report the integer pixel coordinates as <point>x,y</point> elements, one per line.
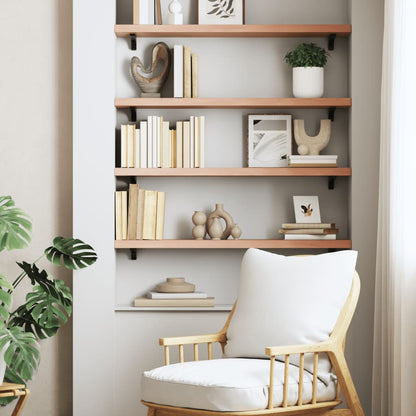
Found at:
<point>306,209</point>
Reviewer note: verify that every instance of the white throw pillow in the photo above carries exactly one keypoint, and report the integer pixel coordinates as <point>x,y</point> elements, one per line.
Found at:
<point>288,301</point>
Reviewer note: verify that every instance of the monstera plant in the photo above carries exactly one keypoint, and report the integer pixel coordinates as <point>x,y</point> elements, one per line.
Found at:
<point>48,305</point>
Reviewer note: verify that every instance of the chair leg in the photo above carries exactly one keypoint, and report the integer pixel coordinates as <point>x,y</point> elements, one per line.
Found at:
<point>151,411</point>
<point>347,385</point>
<point>21,403</point>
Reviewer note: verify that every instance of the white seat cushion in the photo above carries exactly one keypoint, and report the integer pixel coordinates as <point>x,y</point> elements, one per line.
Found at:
<point>233,384</point>
<point>289,301</point>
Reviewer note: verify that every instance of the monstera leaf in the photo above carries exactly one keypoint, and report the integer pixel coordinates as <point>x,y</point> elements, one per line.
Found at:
<point>5,300</point>
<point>47,310</point>
<point>22,353</point>
<point>15,225</point>
<point>72,253</point>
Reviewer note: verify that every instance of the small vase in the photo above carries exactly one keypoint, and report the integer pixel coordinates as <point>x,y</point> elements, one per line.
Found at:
<point>221,213</point>
<point>175,285</point>
<point>236,232</point>
<point>199,218</point>
<point>308,82</point>
<point>215,229</point>
<point>198,232</point>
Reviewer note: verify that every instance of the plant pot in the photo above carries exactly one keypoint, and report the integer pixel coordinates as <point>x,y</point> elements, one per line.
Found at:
<point>308,82</point>
<point>3,365</point>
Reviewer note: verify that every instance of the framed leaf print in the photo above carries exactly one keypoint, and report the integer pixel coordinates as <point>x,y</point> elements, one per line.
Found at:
<point>215,12</point>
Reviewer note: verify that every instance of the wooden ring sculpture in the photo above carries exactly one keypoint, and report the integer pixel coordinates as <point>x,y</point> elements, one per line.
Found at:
<point>151,80</point>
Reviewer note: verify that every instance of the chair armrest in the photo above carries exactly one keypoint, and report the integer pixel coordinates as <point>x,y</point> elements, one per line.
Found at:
<point>299,349</point>
<point>193,339</point>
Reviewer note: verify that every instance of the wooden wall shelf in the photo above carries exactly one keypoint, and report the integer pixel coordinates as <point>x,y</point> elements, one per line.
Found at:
<point>238,103</point>
<point>216,308</point>
<point>231,172</point>
<point>232,244</point>
<point>231,31</point>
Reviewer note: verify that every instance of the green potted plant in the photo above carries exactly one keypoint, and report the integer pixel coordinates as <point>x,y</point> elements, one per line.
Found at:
<point>308,61</point>
<point>48,305</point>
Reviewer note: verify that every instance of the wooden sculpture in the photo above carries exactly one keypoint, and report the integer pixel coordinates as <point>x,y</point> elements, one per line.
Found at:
<point>151,80</point>
<point>311,145</point>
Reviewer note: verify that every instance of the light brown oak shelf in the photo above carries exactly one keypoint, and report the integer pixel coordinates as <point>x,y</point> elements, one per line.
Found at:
<point>232,31</point>
<point>238,103</point>
<point>232,172</point>
<point>232,244</point>
<point>216,308</point>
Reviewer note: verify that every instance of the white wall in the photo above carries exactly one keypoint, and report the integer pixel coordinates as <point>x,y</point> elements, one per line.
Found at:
<point>36,161</point>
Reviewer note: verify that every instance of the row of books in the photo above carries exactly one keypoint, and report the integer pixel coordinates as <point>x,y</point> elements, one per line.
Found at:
<point>188,299</point>
<point>314,161</point>
<point>309,231</point>
<point>154,145</point>
<point>185,72</point>
<point>140,214</point>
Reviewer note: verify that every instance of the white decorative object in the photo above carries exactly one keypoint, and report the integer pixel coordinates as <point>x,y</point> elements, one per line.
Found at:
<point>311,145</point>
<point>217,12</point>
<point>306,209</point>
<point>308,82</point>
<point>175,285</point>
<point>175,15</point>
<point>269,140</point>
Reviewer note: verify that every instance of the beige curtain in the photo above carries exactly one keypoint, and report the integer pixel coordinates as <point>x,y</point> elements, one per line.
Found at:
<point>394,364</point>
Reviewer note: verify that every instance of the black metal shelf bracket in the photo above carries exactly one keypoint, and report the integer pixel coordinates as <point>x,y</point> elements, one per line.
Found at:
<point>331,182</point>
<point>331,113</point>
<point>133,114</point>
<point>133,42</point>
<point>133,254</point>
<point>331,41</point>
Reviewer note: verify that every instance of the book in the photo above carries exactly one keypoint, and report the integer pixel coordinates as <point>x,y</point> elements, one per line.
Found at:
<point>143,144</point>
<point>178,71</point>
<point>313,160</point>
<point>189,295</point>
<point>166,146</point>
<point>140,214</point>
<point>149,215</point>
<point>160,215</point>
<point>174,302</point>
<point>155,140</point>
<point>173,148</point>
<point>310,237</point>
<point>197,142</point>
<point>123,146</point>
<point>187,92</point>
<point>119,233</point>
<point>146,12</point>
<point>132,211</point>
<point>124,208</point>
<point>202,141</point>
<point>179,144</point>
<point>186,144</point>
<point>150,142</point>
<point>317,231</point>
<point>131,137</point>
<point>194,75</point>
<point>159,141</point>
<point>293,226</point>
<point>137,149</point>
<point>192,142</point>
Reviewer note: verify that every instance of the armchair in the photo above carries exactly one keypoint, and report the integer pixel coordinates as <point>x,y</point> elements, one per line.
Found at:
<point>283,345</point>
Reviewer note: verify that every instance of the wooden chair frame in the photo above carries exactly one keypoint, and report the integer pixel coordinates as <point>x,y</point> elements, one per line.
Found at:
<point>334,347</point>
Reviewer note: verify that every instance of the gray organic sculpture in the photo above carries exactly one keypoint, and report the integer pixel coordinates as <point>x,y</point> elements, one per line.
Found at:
<point>151,80</point>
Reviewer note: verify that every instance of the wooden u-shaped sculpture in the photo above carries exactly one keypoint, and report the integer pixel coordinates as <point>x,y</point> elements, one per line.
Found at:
<point>311,145</point>
<point>147,79</point>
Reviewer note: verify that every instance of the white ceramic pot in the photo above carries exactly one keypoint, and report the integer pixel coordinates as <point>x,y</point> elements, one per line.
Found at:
<point>3,363</point>
<point>308,82</point>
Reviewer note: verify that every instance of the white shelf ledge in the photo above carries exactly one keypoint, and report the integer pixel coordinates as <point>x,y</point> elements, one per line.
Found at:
<point>216,308</point>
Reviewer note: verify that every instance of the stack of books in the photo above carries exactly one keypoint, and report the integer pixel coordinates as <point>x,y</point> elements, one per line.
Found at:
<point>311,231</point>
<point>318,161</point>
<point>154,145</point>
<point>140,214</point>
<point>193,299</point>
<point>185,72</point>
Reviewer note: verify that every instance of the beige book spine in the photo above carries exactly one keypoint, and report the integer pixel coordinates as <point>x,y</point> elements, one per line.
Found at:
<point>173,148</point>
<point>132,211</point>
<point>149,215</point>
<point>140,214</point>
<point>174,302</point>
<point>159,141</point>
<point>123,146</point>
<point>131,138</point>
<point>124,209</point>
<point>160,215</point>
<point>166,145</point>
<point>187,91</point>
<point>194,64</point>
<point>186,145</point>
<point>179,144</point>
<point>293,225</point>
<point>119,234</point>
